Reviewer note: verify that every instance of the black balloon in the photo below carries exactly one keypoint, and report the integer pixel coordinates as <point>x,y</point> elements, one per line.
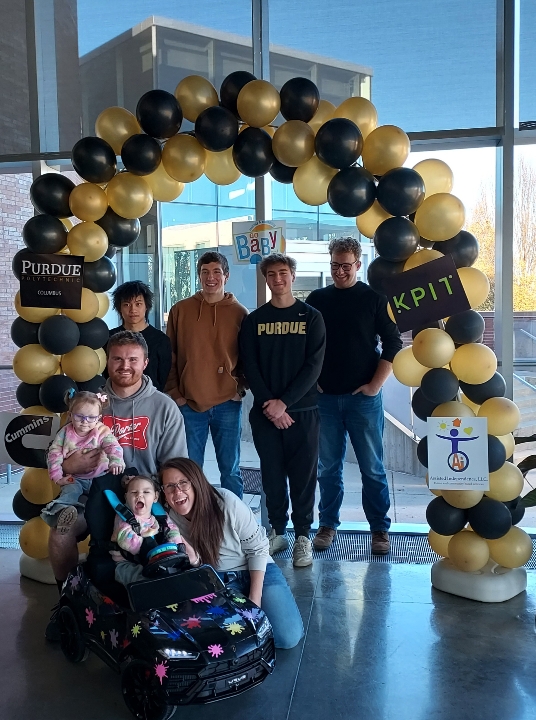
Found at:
<point>282,173</point>
<point>159,114</point>
<point>252,152</point>
<point>216,129</point>
<point>417,330</point>
<point>49,194</point>
<point>111,251</point>
<point>423,242</point>
<point>230,89</point>
<point>93,385</point>
<point>496,453</point>
<point>299,99</point>
<point>465,327</point>
<point>445,519</point>
<point>380,270</point>
<point>463,247</point>
<point>338,143</point>
<point>94,333</point>
<point>100,275</point>
<point>494,387</point>
<point>24,509</point>
<point>94,160</point>
<point>52,392</point>
<point>121,232</point>
<point>517,510</point>
<point>24,332</point>
<point>27,395</point>
<point>44,234</point>
<point>141,154</point>
<point>401,191</point>
<point>421,406</point>
<point>16,263</point>
<point>439,385</point>
<point>422,451</point>
<point>490,518</point>
<point>351,191</point>
<point>58,334</point>
<point>396,239</point>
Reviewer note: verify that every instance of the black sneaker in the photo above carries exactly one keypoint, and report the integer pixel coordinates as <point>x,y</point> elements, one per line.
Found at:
<point>52,631</point>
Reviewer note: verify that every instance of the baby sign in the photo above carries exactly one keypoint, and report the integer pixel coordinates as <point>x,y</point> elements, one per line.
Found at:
<point>458,453</point>
<point>254,241</point>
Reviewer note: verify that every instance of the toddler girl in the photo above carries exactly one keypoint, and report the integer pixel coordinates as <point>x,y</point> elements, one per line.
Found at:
<point>83,432</point>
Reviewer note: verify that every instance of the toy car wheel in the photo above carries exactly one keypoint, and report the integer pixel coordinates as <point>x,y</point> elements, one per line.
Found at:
<point>142,693</point>
<point>71,640</point>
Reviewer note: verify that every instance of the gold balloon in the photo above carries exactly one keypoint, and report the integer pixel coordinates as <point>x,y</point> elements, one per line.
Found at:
<point>67,224</point>
<point>36,486</point>
<point>421,257</point>
<point>508,442</point>
<point>83,546</point>
<point>294,143</point>
<point>87,239</point>
<point>33,538</point>
<point>37,409</point>
<point>163,187</point>
<point>258,103</point>
<point>437,176</point>
<point>440,217</point>
<point>81,364</point>
<point>506,483</point>
<point>104,304</point>
<point>512,550</point>
<point>386,147</point>
<point>101,354</point>
<point>88,202</point>
<point>324,113</point>
<point>475,284</point>
<point>33,314</point>
<point>65,417</point>
<point>129,195</point>
<point>390,313</point>
<point>33,364</point>
<point>439,543</point>
<point>452,408</point>
<point>463,499</point>
<point>474,363</point>
<point>367,223</point>
<point>360,111</point>
<point>468,551</point>
<point>503,415</point>
<point>88,309</point>
<point>311,181</point>
<point>433,348</point>
<point>115,125</point>
<point>184,158</point>
<point>465,400</point>
<point>220,168</point>
<point>195,94</point>
<point>435,492</point>
<point>406,369</point>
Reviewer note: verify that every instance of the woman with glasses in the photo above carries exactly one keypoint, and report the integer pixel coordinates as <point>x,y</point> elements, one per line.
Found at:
<point>224,531</point>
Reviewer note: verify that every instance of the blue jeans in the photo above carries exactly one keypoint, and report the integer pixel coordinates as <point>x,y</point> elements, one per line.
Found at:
<point>360,417</point>
<point>224,423</point>
<point>70,494</point>
<point>277,602</point>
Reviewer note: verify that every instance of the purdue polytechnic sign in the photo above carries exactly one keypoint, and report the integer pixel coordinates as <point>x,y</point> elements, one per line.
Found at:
<point>25,438</point>
<point>53,281</point>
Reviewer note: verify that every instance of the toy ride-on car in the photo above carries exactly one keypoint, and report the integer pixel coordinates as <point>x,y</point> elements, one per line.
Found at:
<point>178,637</point>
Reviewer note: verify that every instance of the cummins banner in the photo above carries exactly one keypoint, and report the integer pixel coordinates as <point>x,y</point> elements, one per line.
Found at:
<point>24,439</point>
<point>53,281</point>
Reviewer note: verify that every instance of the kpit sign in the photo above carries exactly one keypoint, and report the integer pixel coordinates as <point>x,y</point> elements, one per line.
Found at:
<point>254,241</point>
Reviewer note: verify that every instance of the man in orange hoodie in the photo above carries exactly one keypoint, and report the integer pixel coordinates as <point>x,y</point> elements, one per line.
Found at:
<point>204,380</point>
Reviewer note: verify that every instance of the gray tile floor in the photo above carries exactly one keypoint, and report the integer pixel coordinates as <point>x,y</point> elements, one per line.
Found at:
<point>380,644</point>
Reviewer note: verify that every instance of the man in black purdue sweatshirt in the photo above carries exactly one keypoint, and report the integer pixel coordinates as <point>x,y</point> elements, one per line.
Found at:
<point>282,350</point>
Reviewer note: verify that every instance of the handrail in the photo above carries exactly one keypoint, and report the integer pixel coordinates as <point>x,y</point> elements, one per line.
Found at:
<point>6,367</point>
<point>524,382</point>
<point>526,332</point>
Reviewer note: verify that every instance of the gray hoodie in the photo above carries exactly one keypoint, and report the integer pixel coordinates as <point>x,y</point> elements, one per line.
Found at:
<point>148,425</point>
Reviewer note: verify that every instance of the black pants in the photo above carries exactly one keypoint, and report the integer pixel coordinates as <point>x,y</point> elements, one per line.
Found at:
<point>291,453</point>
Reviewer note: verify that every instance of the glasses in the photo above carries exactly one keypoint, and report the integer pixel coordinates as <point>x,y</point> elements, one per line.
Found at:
<point>86,418</point>
<point>344,266</point>
<point>183,485</point>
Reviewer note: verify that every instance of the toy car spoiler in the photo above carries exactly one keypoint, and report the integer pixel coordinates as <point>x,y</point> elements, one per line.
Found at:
<point>162,592</point>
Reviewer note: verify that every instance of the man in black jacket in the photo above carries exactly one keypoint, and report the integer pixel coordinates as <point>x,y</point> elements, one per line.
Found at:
<point>354,371</point>
<point>282,349</point>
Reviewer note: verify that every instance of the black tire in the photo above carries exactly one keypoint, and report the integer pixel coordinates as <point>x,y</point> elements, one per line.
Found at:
<point>141,692</point>
<point>71,640</point>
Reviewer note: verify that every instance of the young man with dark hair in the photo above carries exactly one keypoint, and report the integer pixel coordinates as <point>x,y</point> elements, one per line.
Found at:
<point>350,401</point>
<point>205,380</point>
<point>133,302</point>
<point>282,348</point>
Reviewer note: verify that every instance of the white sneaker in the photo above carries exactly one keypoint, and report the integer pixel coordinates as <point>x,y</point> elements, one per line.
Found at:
<point>278,543</point>
<point>302,555</point>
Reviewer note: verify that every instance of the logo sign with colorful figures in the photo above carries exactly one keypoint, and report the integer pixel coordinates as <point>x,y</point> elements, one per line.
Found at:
<point>254,241</point>
<point>458,453</point>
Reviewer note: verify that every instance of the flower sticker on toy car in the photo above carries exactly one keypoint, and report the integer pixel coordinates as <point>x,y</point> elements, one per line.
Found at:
<point>75,582</point>
<point>217,610</point>
<point>135,629</point>
<point>215,650</point>
<point>113,637</point>
<point>250,614</point>
<point>234,628</point>
<point>192,622</point>
<point>239,599</point>
<point>172,607</point>
<point>160,670</point>
<point>90,617</point>
<point>204,598</point>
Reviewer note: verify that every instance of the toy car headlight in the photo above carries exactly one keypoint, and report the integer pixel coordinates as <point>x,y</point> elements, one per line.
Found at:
<point>263,628</point>
<point>174,654</point>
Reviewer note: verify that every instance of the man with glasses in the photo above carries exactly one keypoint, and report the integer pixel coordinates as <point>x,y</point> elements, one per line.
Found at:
<point>350,401</point>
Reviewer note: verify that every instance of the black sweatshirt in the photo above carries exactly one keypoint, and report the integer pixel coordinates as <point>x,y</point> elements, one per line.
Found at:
<point>159,363</point>
<point>356,319</point>
<point>282,350</point>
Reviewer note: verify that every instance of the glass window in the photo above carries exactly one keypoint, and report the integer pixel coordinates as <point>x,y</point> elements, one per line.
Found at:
<point>527,61</point>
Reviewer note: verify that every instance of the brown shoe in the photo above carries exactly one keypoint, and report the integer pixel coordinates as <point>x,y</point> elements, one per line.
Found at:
<point>380,544</point>
<point>324,537</point>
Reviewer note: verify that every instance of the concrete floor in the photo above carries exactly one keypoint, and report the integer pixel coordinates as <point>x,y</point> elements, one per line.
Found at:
<point>380,644</point>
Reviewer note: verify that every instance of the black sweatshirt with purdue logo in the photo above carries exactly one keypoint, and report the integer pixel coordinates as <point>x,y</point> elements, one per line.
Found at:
<point>282,351</point>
